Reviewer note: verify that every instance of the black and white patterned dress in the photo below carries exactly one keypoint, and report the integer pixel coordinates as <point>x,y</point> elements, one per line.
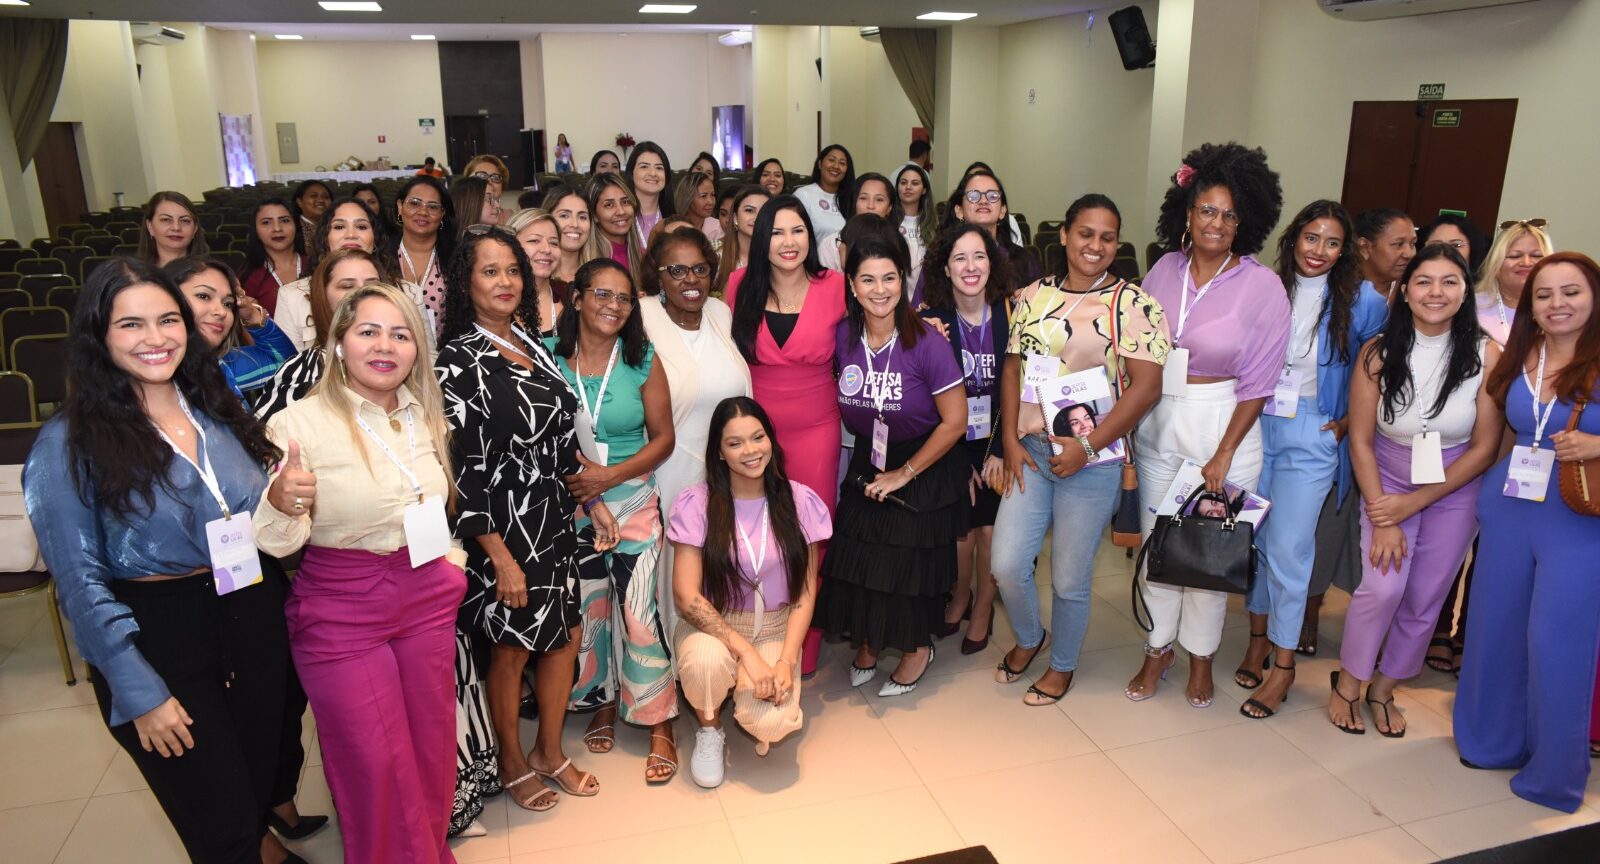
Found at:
<point>512,441</point>
<point>292,382</point>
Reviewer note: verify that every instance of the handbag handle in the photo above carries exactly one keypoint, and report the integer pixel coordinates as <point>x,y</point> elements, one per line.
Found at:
<point>1116,339</point>
<point>1227,523</point>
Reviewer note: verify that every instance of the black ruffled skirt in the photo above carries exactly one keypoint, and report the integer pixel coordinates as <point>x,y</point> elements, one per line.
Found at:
<point>888,571</point>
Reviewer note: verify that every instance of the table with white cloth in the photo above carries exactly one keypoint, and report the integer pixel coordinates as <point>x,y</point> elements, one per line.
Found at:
<point>345,176</point>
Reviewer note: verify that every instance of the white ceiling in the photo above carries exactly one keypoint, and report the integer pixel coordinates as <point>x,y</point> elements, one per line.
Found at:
<point>513,19</point>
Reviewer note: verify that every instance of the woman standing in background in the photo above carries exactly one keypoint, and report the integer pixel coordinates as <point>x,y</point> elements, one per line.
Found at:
<point>427,239</point>
<point>648,173</point>
<point>832,175</point>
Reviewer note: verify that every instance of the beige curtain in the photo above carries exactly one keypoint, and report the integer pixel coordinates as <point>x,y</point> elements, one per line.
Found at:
<point>913,55</point>
<point>33,57</point>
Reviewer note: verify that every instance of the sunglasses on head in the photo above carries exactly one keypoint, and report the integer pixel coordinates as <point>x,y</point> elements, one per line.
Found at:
<point>1526,223</point>
<point>486,229</point>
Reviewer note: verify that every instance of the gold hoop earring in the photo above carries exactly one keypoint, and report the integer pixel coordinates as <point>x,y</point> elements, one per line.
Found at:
<point>1185,241</point>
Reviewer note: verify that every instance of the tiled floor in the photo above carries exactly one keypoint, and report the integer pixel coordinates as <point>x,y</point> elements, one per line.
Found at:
<point>959,762</point>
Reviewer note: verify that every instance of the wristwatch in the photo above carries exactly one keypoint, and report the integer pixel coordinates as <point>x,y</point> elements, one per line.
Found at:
<point>1088,449</point>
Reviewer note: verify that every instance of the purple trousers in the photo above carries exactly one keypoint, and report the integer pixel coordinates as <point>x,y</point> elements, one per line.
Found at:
<point>1394,613</point>
<point>374,643</point>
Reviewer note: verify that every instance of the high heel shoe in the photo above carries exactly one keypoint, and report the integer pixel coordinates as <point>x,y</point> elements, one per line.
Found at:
<point>895,688</point>
<point>949,628</point>
<point>1208,700</point>
<point>1258,705</point>
<point>973,646</point>
<point>1246,678</point>
<point>1153,652</point>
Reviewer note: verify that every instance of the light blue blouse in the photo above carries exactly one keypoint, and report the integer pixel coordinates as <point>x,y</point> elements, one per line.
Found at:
<point>86,548</point>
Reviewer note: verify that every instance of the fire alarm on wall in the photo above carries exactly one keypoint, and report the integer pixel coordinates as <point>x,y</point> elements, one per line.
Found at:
<point>383,139</point>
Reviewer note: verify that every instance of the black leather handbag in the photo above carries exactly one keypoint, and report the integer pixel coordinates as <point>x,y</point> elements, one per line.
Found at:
<point>1187,550</point>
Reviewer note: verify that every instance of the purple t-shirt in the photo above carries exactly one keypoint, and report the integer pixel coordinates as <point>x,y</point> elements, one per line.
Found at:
<point>687,525</point>
<point>1239,330</point>
<point>906,378</point>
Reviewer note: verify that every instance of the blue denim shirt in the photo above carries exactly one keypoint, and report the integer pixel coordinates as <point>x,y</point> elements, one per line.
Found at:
<point>1368,316</point>
<point>87,549</point>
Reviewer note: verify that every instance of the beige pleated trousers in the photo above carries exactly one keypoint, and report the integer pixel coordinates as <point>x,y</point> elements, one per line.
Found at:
<point>708,670</point>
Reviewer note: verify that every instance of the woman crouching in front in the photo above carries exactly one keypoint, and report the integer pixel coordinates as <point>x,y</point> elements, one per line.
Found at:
<point>744,612</point>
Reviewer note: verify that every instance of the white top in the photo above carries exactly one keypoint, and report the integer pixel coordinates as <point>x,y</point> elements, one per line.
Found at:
<point>1490,309</point>
<point>1429,358</point>
<point>1302,354</point>
<point>823,209</point>
<point>294,313</point>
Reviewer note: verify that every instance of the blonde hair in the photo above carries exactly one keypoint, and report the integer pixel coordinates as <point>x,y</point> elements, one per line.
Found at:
<point>1488,285</point>
<point>321,312</point>
<point>523,218</point>
<point>423,385</point>
<point>492,160</point>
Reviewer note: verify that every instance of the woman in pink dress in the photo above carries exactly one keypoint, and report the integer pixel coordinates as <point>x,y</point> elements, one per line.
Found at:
<point>786,310</point>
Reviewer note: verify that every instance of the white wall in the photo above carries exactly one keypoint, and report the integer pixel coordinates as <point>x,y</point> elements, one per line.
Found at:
<point>1088,129</point>
<point>182,132</point>
<point>655,86</point>
<point>532,56</point>
<point>1311,67</point>
<point>237,90</point>
<point>966,116</point>
<point>342,95</point>
<point>100,90</point>
<point>867,110</point>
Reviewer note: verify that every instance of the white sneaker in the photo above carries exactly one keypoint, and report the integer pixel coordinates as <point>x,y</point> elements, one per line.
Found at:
<point>706,765</point>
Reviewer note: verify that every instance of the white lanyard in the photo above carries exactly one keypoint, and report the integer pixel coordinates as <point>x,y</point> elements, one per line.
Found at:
<point>411,429</point>
<point>1184,306</point>
<point>534,353</point>
<point>1540,418</point>
<point>273,271</point>
<point>405,258</point>
<point>882,392</point>
<point>208,475</point>
<point>600,398</point>
<point>756,559</point>
<point>1500,308</point>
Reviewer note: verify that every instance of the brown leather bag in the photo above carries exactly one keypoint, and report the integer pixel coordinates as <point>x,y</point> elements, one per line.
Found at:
<point>1580,481</point>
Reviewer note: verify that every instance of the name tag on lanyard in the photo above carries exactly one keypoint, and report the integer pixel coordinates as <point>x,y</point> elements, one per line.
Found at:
<point>235,563</point>
<point>1175,373</point>
<point>1528,472</point>
<point>427,531</point>
<point>880,444</point>
<point>1285,400</point>
<point>1427,459</point>
<point>1040,368</point>
<point>978,419</point>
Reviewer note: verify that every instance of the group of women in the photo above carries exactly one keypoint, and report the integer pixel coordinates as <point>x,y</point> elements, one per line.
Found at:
<point>599,445</point>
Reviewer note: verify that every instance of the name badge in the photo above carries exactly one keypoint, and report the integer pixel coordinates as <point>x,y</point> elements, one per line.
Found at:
<point>427,531</point>
<point>1175,374</point>
<point>1285,401</point>
<point>1528,474</point>
<point>1427,459</point>
<point>880,445</point>
<point>1040,368</point>
<point>594,450</point>
<point>235,563</point>
<point>978,419</point>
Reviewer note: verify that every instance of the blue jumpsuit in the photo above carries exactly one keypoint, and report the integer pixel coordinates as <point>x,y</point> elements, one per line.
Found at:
<point>1528,677</point>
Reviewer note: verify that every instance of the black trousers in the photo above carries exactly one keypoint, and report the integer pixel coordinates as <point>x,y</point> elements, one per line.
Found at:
<point>224,659</point>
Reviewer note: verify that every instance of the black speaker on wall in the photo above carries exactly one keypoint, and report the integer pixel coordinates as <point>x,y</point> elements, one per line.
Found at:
<point>1138,50</point>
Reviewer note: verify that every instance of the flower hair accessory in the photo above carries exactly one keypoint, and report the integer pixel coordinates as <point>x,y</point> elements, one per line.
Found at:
<point>1185,175</point>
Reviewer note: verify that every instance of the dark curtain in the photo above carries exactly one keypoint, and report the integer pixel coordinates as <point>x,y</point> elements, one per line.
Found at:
<point>33,58</point>
<point>913,55</point>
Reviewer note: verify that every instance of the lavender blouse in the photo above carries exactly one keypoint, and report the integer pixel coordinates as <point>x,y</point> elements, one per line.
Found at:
<point>1239,330</point>
<point>687,525</point>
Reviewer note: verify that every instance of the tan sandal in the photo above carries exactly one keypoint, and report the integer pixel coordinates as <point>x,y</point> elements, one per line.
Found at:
<point>584,779</point>
<point>600,739</point>
<point>532,802</point>
<point>659,761</point>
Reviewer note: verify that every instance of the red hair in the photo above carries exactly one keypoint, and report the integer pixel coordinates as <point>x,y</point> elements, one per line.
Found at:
<point>1577,381</point>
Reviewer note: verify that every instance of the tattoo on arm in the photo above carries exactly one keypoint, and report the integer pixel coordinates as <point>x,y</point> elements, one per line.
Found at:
<point>702,615</point>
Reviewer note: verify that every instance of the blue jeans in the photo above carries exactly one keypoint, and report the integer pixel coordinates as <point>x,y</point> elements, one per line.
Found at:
<point>1300,463</point>
<point>1077,509</point>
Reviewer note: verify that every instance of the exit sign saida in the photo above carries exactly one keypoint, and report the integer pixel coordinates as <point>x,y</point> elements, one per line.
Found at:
<point>1430,92</point>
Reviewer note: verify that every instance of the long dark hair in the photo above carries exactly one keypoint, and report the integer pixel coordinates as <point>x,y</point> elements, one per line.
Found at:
<point>846,184</point>
<point>847,203</point>
<point>1257,194</point>
<point>939,292</point>
<point>317,244</point>
<point>720,576</point>
<point>1002,229</point>
<point>459,314</point>
<point>181,270</point>
<point>1344,278</point>
<point>927,220</point>
<point>445,244</point>
<point>632,335</point>
<point>664,197</point>
<point>598,184</point>
<point>255,252</point>
<point>1089,201</point>
<point>595,159</point>
<point>891,248</point>
<point>1392,350</point>
<point>1477,241</point>
<point>467,195</point>
<point>118,457</point>
<point>755,173</point>
<point>749,307</point>
<point>148,250</point>
<point>716,167</point>
<point>1576,382</point>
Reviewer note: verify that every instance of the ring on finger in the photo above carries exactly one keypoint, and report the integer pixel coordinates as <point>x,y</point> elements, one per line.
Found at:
<point>299,503</point>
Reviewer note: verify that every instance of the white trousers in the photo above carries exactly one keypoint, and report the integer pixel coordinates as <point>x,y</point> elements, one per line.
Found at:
<point>1179,428</point>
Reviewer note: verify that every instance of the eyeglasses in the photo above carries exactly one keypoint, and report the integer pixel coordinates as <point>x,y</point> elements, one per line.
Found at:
<point>975,195</point>
<point>604,296</point>
<point>491,176</point>
<point>1209,213</point>
<point>433,207</point>
<point>682,271</point>
<point>1526,223</point>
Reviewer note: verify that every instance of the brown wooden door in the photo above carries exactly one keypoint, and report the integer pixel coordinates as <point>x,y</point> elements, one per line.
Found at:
<point>1424,157</point>
<point>60,176</point>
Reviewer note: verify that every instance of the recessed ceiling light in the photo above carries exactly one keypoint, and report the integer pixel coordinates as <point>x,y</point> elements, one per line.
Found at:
<point>421,37</point>
<point>666,9</point>
<point>288,37</point>
<point>944,16</point>
<point>13,2</point>
<point>348,6</point>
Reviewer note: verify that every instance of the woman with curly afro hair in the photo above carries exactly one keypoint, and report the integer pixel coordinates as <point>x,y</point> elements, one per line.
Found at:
<point>1230,320</point>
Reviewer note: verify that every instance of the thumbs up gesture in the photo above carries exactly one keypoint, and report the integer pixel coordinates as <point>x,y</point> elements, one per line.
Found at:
<point>295,490</point>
